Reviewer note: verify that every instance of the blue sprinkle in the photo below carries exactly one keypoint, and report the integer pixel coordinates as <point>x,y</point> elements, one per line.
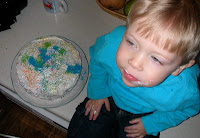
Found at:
<point>55,47</point>
<point>43,55</point>
<point>35,64</point>
<point>74,69</point>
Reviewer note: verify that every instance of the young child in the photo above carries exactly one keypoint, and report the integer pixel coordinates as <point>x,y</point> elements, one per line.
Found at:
<point>143,76</point>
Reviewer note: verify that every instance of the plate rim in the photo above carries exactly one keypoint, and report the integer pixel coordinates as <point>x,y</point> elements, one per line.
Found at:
<point>84,73</point>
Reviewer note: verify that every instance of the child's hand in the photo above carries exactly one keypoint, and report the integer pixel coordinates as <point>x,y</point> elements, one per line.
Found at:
<point>94,106</point>
<point>136,130</point>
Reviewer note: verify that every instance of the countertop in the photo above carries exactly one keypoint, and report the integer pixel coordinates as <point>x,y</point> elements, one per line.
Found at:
<point>83,23</point>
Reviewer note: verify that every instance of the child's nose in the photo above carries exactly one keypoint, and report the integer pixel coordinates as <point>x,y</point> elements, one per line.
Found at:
<point>137,61</point>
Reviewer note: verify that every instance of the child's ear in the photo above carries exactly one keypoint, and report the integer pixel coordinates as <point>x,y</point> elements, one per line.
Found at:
<point>181,68</point>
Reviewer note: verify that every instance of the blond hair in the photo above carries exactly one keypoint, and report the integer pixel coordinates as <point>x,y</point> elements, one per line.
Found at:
<point>172,24</point>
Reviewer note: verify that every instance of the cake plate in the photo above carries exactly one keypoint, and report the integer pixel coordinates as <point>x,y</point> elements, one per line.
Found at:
<point>44,103</point>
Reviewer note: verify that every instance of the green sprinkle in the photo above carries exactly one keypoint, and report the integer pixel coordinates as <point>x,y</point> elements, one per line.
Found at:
<point>25,57</point>
<point>47,44</point>
<point>62,51</point>
<point>39,62</point>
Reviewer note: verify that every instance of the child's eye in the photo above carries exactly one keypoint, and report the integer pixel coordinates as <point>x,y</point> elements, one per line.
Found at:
<point>131,43</point>
<point>155,59</point>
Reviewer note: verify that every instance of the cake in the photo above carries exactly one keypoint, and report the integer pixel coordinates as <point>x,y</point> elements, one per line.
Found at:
<point>48,67</point>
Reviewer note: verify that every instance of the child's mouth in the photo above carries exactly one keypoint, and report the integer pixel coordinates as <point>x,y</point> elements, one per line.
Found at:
<point>129,76</point>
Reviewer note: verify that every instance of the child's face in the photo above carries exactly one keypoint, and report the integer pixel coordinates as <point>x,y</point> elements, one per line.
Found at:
<point>142,63</point>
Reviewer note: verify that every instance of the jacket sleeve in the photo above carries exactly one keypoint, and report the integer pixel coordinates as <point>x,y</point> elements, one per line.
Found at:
<point>98,82</point>
<point>161,120</point>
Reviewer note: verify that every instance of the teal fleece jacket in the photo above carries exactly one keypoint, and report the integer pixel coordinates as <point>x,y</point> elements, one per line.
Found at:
<point>173,101</point>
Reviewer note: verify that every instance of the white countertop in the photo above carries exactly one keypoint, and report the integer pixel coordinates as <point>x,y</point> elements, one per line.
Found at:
<point>83,23</point>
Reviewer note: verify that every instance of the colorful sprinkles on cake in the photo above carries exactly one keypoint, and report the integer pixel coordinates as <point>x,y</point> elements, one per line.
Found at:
<point>48,67</point>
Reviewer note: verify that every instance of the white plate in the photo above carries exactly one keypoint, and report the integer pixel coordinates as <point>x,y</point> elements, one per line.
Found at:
<point>69,96</point>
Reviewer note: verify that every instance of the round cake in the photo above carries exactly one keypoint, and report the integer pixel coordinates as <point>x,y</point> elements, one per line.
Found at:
<point>48,67</point>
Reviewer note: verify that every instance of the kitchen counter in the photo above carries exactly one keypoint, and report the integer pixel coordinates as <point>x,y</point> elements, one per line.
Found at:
<point>83,23</point>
